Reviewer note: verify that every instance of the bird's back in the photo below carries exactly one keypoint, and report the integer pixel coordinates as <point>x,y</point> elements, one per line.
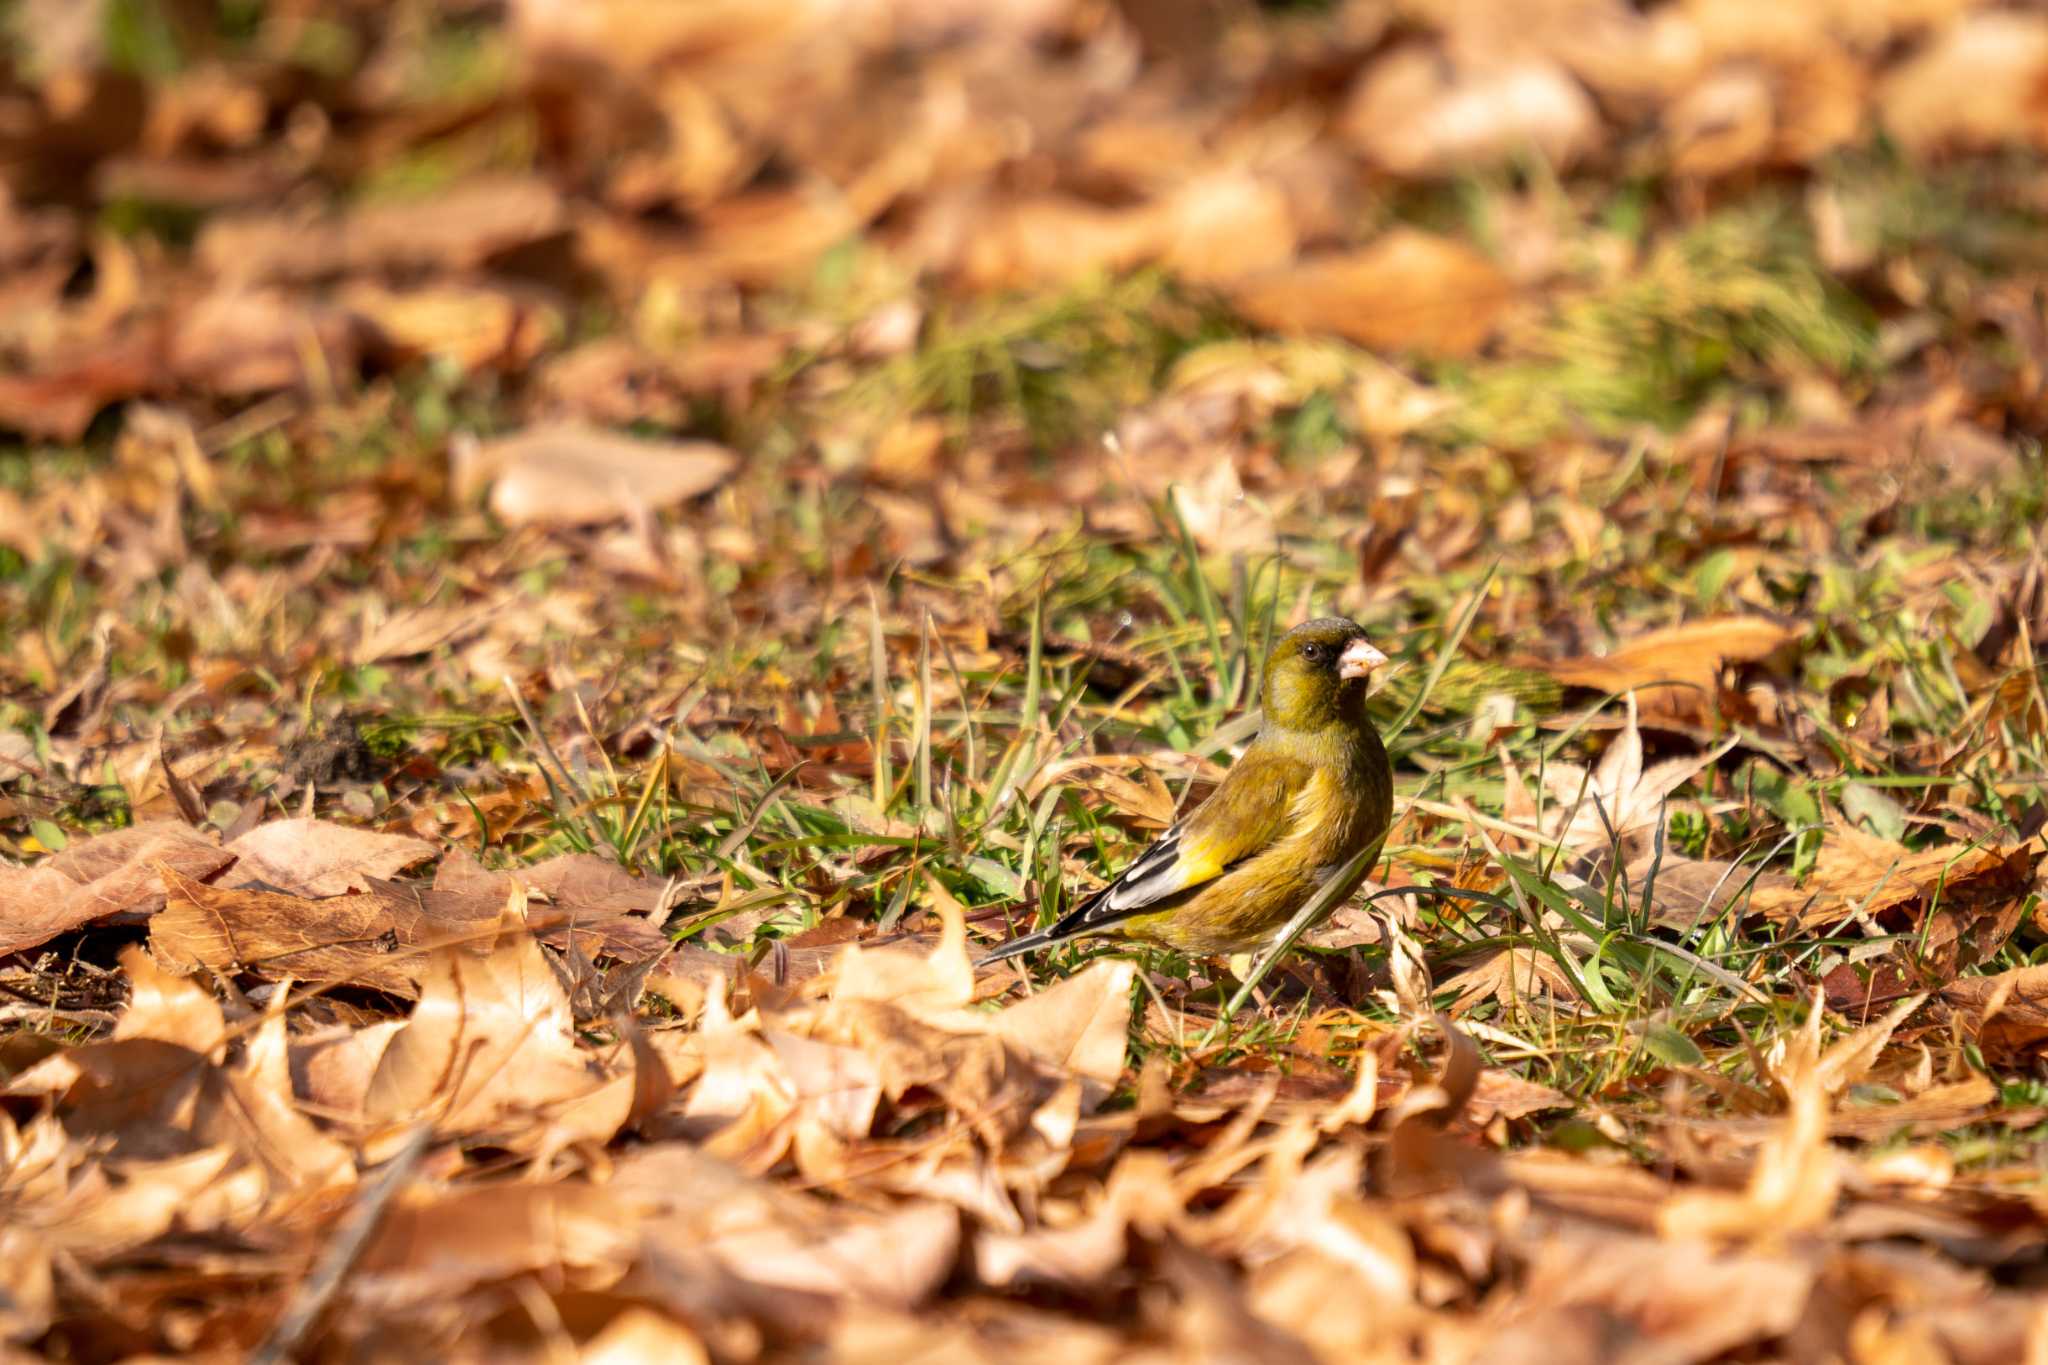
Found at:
<point>1343,802</point>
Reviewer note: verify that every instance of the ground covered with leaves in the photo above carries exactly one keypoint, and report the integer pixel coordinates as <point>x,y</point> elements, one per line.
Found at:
<point>567,568</point>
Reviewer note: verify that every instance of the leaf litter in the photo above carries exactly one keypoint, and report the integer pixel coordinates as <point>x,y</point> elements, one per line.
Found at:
<point>561,576</point>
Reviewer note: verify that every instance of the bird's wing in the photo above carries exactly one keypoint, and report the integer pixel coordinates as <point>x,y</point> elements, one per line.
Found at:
<point>1241,818</point>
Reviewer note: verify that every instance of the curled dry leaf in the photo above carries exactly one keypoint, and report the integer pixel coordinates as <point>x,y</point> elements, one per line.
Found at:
<point>1977,84</point>
<point>1860,874</point>
<point>307,857</point>
<point>110,874</point>
<point>1675,671</point>
<point>491,1050</point>
<point>162,1085</point>
<point>437,1243</point>
<point>742,1235</point>
<point>1078,1026</point>
<point>1796,1174</point>
<point>936,983</point>
<point>1683,1299</point>
<point>1421,113</point>
<point>1620,801</point>
<point>1407,291</point>
<point>569,474</point>
<point>364,938</point>
<point>2007,1012</point>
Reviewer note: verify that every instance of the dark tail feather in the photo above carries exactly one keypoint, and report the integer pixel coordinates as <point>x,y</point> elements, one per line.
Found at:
<point>1082,919</point>
<point>1017,947</point>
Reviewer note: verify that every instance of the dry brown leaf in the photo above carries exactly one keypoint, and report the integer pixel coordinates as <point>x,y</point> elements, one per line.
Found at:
<point>1861,873</point>
<point>1676,1299</point>
<point>1226,225</point>
<point>638,1335</point>
<point>592,902</point>
<point>59,398</point>
<point>1078,1026</point>
<point>2006,1012</point>
<point>27,1291</point>
<point>1407,291</point>
<point>1723,124</point>
<point>1675,671</point>
<point>936,983</point>
<point>416,630</point>
<point>459,227</point>
<point>699,1211</point>
<point>331,1070</point>
<point>110,874</point>
<point>437,1243</point>
<point>1416,112</point>
<point>1978,83</point>
<point>568,474</point>
<point>1620,801</point>
<point>1504,1095</point>
<point>308,857</point>
<point>467,327</point>
<point>1796,1174</point>
<point>1512,974</point>
<point>249,341</point>
<point>364,938</point>
<point>1053,238</point>
<point>491,1050</point>
<point>1684,892</point>
<point>159,1086</point>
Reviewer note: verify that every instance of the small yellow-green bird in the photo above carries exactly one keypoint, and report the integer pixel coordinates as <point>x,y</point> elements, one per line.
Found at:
<point>1311,792</point>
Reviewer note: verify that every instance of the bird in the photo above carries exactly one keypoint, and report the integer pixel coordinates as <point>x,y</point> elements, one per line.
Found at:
<point>1310,792</point>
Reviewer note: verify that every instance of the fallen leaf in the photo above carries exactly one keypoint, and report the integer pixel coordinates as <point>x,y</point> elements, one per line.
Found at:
<point>248,341</point>
<point>417,630</point>
<point>590,901</point>
<point>1415,112</point>
<point>109,874</point>
<point>1621,801</point>
<point>1512,975</point>
<point>938,982</point>
<point>1079,1026</point>
<point>1796,1174</point>
<point>2007,1012</point>
<point>1857,873</point>
<point>434,1244</point>
<point>1684,893</point>
<point>568,474</point>
<point>639,1335</point>
<point>364,938</point>
<point>1406,291</point>
<point>1976,84</point>
<point>308,857</point>
<point>490,1050</point>
<point>1675,671</point>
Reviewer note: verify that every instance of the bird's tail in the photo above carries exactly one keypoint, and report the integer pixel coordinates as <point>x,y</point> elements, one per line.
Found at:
<point>1084,919</point>
<point>1016,947</point>
<point>1077,922</point>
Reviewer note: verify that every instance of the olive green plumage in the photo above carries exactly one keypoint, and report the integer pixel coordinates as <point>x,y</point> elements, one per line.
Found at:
<point>1310,792</point>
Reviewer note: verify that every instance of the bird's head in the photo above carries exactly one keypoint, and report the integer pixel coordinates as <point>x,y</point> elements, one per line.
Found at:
<point>1318,674</point>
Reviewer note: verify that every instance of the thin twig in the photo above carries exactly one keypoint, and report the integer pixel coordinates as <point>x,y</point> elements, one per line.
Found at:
<point>319,1288</point>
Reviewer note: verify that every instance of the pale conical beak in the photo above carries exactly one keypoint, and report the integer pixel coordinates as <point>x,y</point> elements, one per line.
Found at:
<point>1358,660</point>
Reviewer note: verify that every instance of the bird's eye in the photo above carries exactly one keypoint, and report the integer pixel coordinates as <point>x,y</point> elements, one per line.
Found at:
<point>1312,652</point>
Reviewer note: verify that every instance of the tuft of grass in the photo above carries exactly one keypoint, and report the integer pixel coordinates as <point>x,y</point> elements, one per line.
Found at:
<point>1735,300</point>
